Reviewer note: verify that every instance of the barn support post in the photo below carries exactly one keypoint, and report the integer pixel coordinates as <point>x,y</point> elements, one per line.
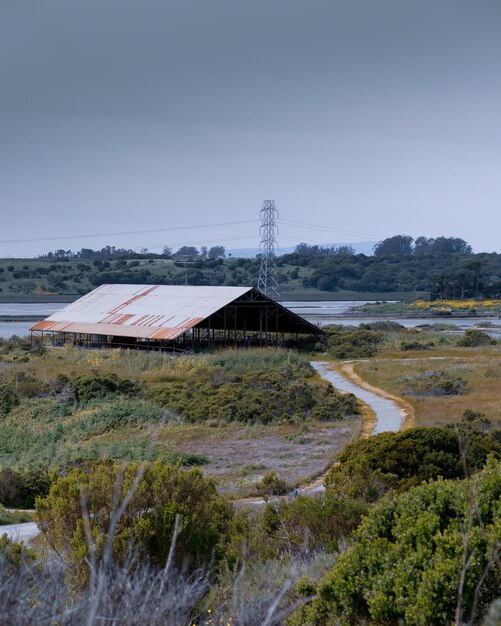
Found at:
<point>224,332</point>
<point>235,331</point>
<point>267,310</point>
<point>276,325</point>
<point>260,325</point>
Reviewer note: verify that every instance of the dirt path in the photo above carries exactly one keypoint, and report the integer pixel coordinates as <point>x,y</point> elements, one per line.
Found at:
<point>20,532</point>
<point>389,411</point>
<point>406,410</point>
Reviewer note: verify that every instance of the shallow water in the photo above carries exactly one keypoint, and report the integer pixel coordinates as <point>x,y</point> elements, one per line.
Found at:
<point>322,313</point>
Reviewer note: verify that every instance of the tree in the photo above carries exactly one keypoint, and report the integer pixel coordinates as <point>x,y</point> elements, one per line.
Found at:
<point>186,251</point>
<point>399,244</point>
<point>217,252</point>
<point>345,250</point>
<point>422,245</point>
<point>449,245</point>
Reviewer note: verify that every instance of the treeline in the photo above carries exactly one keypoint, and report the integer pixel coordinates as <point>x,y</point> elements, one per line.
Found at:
<point>444,267</point>
<point>110,252</point>
<point>405,245</point>
<point>443,276</point>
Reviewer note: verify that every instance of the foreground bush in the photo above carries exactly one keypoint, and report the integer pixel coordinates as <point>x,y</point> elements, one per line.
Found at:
<point>38,594</point>
<point>422,559</point>
<point>80,512</point>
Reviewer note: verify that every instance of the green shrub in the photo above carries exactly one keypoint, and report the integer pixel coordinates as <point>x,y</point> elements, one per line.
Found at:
<point>404,565</point>
<point>89,388</point>
<point>19,346</point>
<point>434,383</point>
<point>369,467</point>
<point>8,399</point>
<point>255,397</point>
<point>304,525</point>
<point>473,338</point>
<point>353,343</point>
<point>383,325</point>
<point>146,525</point>
<point>336,406</point>
<point>416,345</point>
<point>271,485</point>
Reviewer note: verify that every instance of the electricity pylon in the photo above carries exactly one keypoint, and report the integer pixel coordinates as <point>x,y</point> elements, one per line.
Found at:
<point>267,282</point>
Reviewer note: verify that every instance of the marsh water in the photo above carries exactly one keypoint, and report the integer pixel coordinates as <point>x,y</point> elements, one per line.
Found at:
<point>321,313</point>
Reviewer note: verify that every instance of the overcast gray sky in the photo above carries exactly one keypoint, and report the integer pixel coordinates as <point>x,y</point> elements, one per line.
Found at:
<point>370,116</point>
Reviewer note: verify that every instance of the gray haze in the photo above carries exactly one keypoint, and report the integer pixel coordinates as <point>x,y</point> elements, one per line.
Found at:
<point>374,117</point>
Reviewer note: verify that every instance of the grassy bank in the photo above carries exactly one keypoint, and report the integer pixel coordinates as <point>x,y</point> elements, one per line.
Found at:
<point>440,309</point>
<point>311,295</point>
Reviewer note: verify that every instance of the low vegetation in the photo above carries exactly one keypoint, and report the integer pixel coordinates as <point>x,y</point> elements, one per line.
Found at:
<point>14,517</point>
<point>417,552</point>
<point>419,308</point>
<point>429,556</point>
<point>434,383</point>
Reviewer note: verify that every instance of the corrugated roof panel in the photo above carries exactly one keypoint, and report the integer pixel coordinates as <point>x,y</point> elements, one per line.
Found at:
<point>145,311</point>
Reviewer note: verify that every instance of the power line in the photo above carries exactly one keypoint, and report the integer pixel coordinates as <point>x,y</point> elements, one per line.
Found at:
<point>126,232</point>
<point>322,228</point>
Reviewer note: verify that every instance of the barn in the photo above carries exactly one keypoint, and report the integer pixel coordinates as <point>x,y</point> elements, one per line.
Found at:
<point>174,317</point>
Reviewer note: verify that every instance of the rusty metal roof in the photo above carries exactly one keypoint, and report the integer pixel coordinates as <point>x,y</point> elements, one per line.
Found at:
<point>143,311</point>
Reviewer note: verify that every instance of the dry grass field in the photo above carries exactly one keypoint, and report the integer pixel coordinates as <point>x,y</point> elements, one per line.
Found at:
<point>403,374</point>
